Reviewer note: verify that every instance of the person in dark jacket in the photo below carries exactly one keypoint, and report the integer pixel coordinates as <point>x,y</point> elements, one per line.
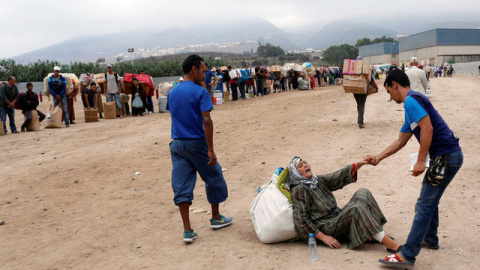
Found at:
<point>137,90</point>
<point>8,98</point>
<point>28,103</point>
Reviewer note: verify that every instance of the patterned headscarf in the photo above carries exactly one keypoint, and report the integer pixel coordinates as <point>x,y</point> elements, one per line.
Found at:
<point>296,177</point>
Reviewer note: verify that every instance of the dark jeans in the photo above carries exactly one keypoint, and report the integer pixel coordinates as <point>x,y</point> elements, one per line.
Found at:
<point>11,117</point>
<point>260,90</point>
<point>149,104</point>
<point>425,222</point>
<point>28,115</point>
<point>241,87</point>
<point>234,91</point>
<point>360,99</point>
<point>63,101</point>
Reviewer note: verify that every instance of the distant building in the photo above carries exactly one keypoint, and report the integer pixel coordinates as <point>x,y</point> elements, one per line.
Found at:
<point>440,46</point>
<point>380,53</point>
<point>435,47</point>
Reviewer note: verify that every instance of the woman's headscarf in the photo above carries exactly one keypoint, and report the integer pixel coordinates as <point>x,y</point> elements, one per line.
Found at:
<point>297,178</point>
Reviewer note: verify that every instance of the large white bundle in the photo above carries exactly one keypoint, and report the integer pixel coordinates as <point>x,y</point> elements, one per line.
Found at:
<point>272,214</point>
<point>68,79</point>
<point>234,74</point>
<point>165,87</point>
<point>162,104</point>
<point>252,71</point>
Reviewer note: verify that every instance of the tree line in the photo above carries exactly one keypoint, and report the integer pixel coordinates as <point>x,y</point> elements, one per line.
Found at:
<point>335,55</point>
<point>36,71</point>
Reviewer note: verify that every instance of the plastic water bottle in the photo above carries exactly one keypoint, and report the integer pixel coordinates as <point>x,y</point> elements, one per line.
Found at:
<point>312,247</point>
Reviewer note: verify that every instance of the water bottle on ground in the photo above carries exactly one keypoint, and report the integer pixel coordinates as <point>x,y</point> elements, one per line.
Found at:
<point>312,247</point>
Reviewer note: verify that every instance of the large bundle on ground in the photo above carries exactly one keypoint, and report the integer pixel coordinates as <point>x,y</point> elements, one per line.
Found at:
<point>91,116</point>
<point>276,68</point>
<point>272,213</point>
<point>110,110</point>
<point>356,76</point>
<point>162,104</point>
<point>100,79</point>
<point>34,125</point>
<point>54,117</point>
<point>302,84</point>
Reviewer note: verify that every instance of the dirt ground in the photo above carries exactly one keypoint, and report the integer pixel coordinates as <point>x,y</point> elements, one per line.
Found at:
<point>70,198</point>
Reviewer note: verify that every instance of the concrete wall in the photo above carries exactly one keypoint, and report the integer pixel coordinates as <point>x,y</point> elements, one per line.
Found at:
<point>466,68</point>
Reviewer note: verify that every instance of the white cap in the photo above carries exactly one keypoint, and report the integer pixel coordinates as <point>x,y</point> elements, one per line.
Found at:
<point>181,79</point>
<point>413,59</point>
<point>56,68</point>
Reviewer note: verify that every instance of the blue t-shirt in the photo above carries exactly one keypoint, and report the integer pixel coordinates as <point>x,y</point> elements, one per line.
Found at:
<point>208,77</point>
<point>186,103</point>
<point>418,106</point>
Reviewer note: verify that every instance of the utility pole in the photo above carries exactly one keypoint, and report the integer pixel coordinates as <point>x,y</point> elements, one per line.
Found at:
<point>131,50</point>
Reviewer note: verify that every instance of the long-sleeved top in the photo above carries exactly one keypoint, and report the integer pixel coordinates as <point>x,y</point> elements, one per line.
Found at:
<point>29,101</point>
<point>57,86</point>
<point>418,81</point>
<point>8,93</point>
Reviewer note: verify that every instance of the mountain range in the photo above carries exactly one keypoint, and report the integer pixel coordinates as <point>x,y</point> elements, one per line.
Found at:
<point>90,48</point>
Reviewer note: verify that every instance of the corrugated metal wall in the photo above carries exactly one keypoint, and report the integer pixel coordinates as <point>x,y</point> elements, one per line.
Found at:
<point>378,49</point>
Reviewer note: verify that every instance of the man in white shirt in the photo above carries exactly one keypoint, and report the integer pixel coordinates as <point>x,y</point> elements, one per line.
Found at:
<point>113,89</point>
<point>416,76</point>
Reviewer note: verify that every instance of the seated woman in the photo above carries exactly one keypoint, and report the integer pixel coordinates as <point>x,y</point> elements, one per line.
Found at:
<point>315,209</point>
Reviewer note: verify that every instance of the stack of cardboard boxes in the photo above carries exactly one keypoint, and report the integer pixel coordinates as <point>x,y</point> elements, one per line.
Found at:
<point>356,76</point>
<point>217,98</point>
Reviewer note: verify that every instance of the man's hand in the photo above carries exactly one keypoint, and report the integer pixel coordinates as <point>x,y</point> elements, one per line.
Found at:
<point>329,241</point>
<point>58,98</point>
<point>213,158</point>
<point>10,105</point>
<point>418,168</point>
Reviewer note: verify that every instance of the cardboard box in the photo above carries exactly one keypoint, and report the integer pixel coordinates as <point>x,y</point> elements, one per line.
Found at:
<point>110,110</point>
<point>2,131</point>
<point>91,116</point>
<point>356,67</point>
<point>227,96</point>
<point>217,101</point>
<point>356,84</point>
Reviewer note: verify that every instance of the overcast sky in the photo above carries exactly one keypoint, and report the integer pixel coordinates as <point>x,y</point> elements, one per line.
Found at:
<point>27,25</point>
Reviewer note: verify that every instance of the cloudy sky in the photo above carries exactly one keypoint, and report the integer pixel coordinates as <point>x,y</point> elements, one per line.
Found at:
<point>27,25</point>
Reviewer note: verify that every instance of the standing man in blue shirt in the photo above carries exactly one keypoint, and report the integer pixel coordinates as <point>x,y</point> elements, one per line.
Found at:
<point>436,139</point>
<point>208,79</point>
<point>57,86</point>
<point>192,146</point>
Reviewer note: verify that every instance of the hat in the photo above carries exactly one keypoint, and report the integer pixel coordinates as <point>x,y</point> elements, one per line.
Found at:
<point>413,59</point>
<point>56,68</point>
<point>420,66</point>
<point>181,79</point>
<point>109,66</point>
<point>359,58</point>
<point>394,64</point>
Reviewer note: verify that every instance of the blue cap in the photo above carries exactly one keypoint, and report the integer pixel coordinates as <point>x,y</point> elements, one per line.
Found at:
<point>310,235</point>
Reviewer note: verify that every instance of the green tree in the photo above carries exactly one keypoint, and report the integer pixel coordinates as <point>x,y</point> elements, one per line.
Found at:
<point>335,55</point>
<point>269,50</point>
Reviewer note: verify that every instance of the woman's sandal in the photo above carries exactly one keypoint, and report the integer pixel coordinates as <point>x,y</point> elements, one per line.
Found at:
<point>394,260</point>
<point>372,240</point>
<point>425,245</point>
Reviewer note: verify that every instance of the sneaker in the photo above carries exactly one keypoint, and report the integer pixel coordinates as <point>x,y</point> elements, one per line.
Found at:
<point>361,125</point>
<point>67,126</point>
<point>22,129</point>
<point>189,236</point>
<point>221,222</point>
<point>73,123</point>
<point>15,131</point>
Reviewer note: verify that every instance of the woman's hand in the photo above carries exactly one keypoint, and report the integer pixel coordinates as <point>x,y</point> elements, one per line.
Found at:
<point>329,241</point>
